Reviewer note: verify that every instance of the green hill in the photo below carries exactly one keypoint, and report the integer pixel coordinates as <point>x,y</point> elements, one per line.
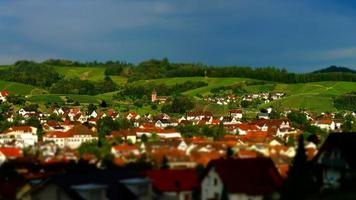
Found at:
<point>20,88</point>
<point>88,73</point>
<point>212,83</point>
<point>315,96</point>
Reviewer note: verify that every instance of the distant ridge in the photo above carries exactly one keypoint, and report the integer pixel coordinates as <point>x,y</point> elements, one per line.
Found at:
<point>334,68</point>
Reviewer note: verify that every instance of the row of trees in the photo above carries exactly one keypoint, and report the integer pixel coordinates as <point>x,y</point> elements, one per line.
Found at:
<point>153,69</point>
<point>78,86</point>
<point>31,73</point>
<point>346,102</point>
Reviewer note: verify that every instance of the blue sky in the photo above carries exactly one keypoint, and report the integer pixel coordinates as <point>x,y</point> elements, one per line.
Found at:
<point>298,35</point>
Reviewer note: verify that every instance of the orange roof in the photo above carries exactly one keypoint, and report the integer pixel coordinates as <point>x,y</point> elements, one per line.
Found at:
<point>246,154</point>
<point>20,128</point>
<point>119,161</point>
<point>76,130</point>
<point>4,93</point>
<point>155,130</point>
<point>283,170</point>
<point>125,147</point>
<point>11,152</point>
<point>247,127</point>
<point>52,123</point>
<point>325,121</point>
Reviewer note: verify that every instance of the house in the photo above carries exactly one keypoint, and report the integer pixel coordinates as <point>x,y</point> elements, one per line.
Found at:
<point>125,135</point>
<point>132,116</point>
<point>72,138</point>
<point>9,153</point>
<point>161,133</point>
<point>140,187</point>
<point>263,115</point>
<point>159,99</point>
<point>236,113</point>
<point>248,178</point>
<point>86,182</point>
<point>326,124</point>
<point>125,150</point>
<point>335,161</point>
<point>26,112</point>
<point>198,115</point>
<point>177,184</point>
<point>164,123</point>
<point>3,95</point>
<point>23,136</point>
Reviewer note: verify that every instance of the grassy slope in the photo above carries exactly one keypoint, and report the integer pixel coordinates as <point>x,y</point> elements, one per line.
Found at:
<point>316,96</point>
<point>88,73</point>
<point>213,83</point>
<point>19,88</point>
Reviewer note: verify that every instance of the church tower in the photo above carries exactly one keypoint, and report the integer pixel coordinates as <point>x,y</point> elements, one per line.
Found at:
<point>154,95</point>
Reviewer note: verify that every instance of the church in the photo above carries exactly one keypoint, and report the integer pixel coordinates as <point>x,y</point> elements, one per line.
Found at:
<point>159,99</point>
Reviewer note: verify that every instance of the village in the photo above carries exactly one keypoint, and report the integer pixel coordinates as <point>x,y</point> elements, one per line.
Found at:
<point>170,146</point>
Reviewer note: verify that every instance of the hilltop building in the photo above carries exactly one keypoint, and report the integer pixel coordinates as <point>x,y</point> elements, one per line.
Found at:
<point>159,99</point>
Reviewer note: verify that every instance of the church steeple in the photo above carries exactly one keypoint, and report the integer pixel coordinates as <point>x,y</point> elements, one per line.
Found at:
<point>154,95</point>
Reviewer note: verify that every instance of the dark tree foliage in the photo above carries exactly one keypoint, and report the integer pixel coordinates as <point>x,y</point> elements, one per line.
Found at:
<point>300,181</point>
<point>179,104</point>
<point>16,99</point>
<point>32,73</point>
<point>334,68</point>
<point>73,86</point>
<point>105,125</point>
<point>346,102</point>
<point>91,107</point>
<point>77,86</point>
<point>297,117</point>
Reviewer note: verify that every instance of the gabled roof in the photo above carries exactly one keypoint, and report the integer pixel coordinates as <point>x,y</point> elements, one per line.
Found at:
<point>253,176</point>
<point>76,130</point>
<point>344,143</point>
<point>4,93</point>
<point>27,129</point>
<point>174,180</point>
<point>325,121</point>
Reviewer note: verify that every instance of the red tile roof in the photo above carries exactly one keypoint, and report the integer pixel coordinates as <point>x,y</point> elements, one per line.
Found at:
<point>125,147</point>
<point>11,152</point>
<point>325,121</point>
<point>4,93</point>
<point>235,111</point>
<point>253,176</point>
<point>76,130</point>
<point>20,129</point>
<point>174,180</point>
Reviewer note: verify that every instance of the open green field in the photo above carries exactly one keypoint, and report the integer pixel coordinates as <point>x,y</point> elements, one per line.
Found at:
<point>84,73</point>
<point>212,83</point>
<point>88,73</point>
<point>315,96</point>
<point>60,98</point>
<point>19,88</point>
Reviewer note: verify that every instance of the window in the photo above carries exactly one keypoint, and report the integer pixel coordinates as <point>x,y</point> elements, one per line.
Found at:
<point>215,181</point>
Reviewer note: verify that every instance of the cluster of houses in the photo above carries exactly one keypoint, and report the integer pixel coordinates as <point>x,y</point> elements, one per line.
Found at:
<point>222,100</point>
<point>256,153</point>
<point>264,96</point>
